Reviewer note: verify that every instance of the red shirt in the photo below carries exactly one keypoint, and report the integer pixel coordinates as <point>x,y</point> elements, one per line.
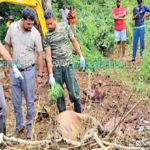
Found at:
<point>72,18</point>
<point>119,24</point>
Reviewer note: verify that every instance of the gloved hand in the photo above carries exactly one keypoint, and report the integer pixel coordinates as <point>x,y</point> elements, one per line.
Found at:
<point>17,73</point>
<point>1,18</point>
<point>51,79</point>
<point>82,62</point>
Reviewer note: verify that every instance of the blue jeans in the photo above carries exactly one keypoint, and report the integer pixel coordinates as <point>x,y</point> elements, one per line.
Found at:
<point>2,110</point>
<point>2,102</point>
<point>26,86</point>
<point>139,32</point>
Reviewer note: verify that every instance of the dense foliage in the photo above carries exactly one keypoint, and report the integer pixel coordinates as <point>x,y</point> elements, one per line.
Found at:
<point>6,10</point>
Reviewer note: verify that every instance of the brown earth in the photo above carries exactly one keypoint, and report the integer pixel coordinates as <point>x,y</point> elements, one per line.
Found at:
<point>114,105</point>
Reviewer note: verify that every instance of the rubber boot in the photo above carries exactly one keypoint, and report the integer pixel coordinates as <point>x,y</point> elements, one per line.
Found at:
<point>77,106</point>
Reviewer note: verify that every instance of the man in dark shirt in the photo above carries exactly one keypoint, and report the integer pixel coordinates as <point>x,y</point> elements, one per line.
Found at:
<point>139,27</point>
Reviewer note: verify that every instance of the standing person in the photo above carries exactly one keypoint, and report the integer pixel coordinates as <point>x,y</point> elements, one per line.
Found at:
<point>119,13</point>
<point>64,13</point>
<point>59,59</point>
<point>72,19</point>
<point>6,56</point>
<point>139,27</point>
<point>25,40</point>
<point>10,20</point>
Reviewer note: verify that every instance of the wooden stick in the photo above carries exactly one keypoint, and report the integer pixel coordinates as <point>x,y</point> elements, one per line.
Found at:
<point>99,142</point>
<point>122,119</point>
<point>122,147</point>
<point>25,142</point>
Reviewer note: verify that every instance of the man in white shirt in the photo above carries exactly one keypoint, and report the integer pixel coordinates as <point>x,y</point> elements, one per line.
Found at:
<point>64,13</point>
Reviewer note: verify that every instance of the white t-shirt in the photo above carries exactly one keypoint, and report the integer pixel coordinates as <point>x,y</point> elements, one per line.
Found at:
<point>64,14</point>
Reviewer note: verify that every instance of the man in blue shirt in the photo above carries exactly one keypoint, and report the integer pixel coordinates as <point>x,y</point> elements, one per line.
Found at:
<point>139,27</point>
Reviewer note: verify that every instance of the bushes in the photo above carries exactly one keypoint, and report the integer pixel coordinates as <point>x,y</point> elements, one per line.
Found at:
<point>6,10</point>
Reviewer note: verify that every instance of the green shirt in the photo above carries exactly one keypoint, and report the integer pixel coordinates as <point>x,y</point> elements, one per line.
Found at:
<point>58,42</point>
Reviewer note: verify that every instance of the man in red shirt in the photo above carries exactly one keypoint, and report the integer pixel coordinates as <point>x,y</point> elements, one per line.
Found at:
<point>119,13</point>
<point>72,20</point>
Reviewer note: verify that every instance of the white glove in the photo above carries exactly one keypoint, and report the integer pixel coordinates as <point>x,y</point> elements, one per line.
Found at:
<point>17,73</point>
<point>82,62</point>
<point>1,18</point>
<point>51,79</point>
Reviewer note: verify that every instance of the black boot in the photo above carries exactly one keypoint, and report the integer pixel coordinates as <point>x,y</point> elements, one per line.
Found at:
<point>77,106</point>
<point>61,104</point>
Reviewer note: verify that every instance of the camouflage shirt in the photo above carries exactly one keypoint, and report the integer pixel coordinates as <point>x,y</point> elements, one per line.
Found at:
<point>58,42</point>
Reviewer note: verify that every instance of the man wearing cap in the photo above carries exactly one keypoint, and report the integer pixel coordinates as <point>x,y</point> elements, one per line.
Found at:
<point>25,40</point>
<point>119,13</point>
<point>139,27</point>
<point>59,59</point>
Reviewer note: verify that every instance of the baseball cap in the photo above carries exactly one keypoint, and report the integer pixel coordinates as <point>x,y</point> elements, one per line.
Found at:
<point>139,1</point>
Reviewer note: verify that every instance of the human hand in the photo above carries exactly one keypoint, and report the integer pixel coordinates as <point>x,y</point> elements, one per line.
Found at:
<point>82,62</point>
<point>17,73</point>
<point>51,79</point>
<point>1,18</point>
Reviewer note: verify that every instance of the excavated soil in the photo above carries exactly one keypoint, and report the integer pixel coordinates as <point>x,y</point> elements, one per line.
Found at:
<point>108,111</point>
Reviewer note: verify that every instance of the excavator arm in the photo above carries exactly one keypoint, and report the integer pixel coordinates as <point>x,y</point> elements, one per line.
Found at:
<point>37,6</point>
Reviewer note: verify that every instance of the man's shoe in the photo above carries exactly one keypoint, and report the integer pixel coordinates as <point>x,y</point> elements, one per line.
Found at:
<point>29,134</point>
<point>132,60</point>
<point>18,131</point>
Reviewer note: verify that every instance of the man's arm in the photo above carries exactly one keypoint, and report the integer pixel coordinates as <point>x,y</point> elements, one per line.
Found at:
<point>5,54</point>
<point>73,14</point>
<point>122,15</point>
<point>147,9</point>
<point>40,62</point>
<point>146,16</point>
<point>136,16</point>
<point>118,18</point>
<point>49,60</point>
<point>8,47</point>
<point>76,46</point>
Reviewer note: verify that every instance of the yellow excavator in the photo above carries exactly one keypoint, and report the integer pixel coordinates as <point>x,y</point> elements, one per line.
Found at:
<point>39,6</point>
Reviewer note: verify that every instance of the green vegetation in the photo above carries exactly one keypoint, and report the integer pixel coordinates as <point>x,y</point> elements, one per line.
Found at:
<point>6,10</point>
<point>55,92</point>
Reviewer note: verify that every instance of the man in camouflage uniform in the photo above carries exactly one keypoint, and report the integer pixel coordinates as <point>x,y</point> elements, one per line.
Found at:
<point>58,53</point>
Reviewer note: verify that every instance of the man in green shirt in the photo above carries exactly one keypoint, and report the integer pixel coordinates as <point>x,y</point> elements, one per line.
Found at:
<point>59,59</point>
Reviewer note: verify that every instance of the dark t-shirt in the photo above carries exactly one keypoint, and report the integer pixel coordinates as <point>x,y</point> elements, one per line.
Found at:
<point>140,11</point>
